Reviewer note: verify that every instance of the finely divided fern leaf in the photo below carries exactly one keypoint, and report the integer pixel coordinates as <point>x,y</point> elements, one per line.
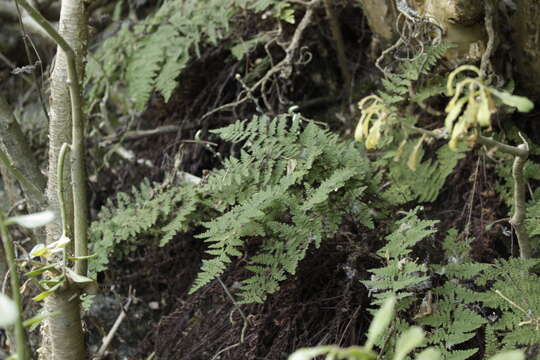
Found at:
<point>396,87</point>
<point>137,214</point>
<point>288,190</point>
<point>150,55</point>
<point>402,275</point>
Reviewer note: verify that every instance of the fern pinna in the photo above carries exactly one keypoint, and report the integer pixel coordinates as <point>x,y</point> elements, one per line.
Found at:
<point>289,189</point>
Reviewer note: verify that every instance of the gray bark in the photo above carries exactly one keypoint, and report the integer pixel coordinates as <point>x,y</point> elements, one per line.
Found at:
<point>65,330</point>
<point>14,142</point>
<point>526,44</point>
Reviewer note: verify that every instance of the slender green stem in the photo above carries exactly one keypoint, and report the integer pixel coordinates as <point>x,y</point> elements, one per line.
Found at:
<point>23,352</point>
<point>60,187</point>
<point>512,150</point>
<point>520,208</point>
<point>27,184</point>
<point>433,134</point>
<point>520,153</point>
<point>78,172</point>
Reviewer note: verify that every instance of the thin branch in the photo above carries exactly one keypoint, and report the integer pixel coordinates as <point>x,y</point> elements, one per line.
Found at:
<point>26,40</point>
<point>112,332</point>
<point>512,150</point>
<point>9,12</point>
<point>18,157</point>
<point>244,318</point>
<point>23,352</point>
<point>284,66</point>
<point>520,207</point>
<point>520,153</point>
<point>12,65</point>
<point>340,46</point>
<point>134,135</point>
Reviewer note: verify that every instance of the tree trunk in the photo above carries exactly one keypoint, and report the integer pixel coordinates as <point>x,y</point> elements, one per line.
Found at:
<point>464,24</point>
<point>526,44</point>
<point>64,330</point>
<point>16,147</point>
<point>461,21</point>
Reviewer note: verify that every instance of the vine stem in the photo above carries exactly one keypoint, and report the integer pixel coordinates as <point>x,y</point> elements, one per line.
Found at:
<point>23,352</point>
<point>60,188</point>
<point>520,153</point>
<point>78,172</point>
<point>520,209</point>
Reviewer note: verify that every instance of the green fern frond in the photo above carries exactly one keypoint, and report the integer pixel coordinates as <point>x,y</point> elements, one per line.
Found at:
<point>402,275</point>
<point>291,188</point>
<point>149,56</point>
<point>396,87</point>
<point>425,183</point>
<point>132,216</point>
<point>453,323</point>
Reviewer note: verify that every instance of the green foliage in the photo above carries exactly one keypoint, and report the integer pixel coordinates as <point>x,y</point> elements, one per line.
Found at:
<point>402,276</point>
<point>289,189</point>
<point>383,125</point>
<point>155,51</point>
<point>396,87</point>
<point>410,339</point>
<point>148,211</point>
<point>149,55</point>
<point>515,293</point>
<point>423,184</point>
<point>453,322</point>
<point>501,299</point>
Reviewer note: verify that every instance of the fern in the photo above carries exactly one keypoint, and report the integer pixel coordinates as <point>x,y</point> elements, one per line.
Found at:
<point>501,298</point>
<point>150,210</point>
<point>396,87</point>
<point>402,275</point>
<point>516,294</point>
<point>150,55</point>
<point>423,184</point>
<point>453,322</point>
<point>412,179</point>
<point>288,190</point>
